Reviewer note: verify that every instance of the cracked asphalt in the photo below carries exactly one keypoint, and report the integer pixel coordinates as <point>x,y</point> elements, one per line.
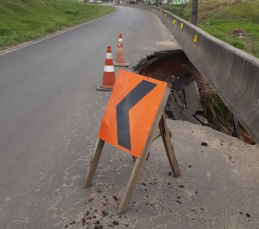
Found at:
<point>50,114</point>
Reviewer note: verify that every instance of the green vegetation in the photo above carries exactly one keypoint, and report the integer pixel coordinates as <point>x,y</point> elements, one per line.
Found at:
<point>235,21</point>
<point>216,111</point>
<point>24,20</point>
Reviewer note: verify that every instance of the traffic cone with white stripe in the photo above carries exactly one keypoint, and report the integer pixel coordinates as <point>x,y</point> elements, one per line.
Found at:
<point>108,73</point>
<point>120,59</point>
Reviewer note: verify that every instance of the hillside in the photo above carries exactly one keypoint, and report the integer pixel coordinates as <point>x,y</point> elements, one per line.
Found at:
<point>24,20</point>
<point>235,22</point>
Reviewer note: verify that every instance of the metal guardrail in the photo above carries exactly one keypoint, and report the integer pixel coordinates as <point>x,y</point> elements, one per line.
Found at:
<point>234,74</point>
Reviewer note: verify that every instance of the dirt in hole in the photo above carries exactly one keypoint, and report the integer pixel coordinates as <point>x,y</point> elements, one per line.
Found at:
<point>163,69</point>
<point>176,69</point>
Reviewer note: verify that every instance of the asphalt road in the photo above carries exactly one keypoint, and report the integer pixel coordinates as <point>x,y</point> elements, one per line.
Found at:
<point>50,114</point>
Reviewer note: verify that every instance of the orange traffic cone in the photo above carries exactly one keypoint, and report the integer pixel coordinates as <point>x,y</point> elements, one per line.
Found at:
<point>120,59</point>
<point>108,73</point>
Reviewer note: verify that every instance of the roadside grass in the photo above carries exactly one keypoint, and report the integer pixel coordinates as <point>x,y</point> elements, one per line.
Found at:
<point>221,18</point>
<point>24,20</point>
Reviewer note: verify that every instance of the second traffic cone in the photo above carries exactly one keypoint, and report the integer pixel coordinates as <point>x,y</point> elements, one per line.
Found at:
<point>108,73</point>
<point>120,59</point>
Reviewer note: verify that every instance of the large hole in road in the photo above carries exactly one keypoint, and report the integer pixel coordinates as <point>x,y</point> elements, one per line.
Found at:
<point>192,98</point>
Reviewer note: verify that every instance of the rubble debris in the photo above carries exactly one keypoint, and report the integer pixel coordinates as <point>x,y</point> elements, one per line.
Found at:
<point>239,33</point>
<point>175,112</point>
<point>178,100</point>
<point>90,199</point>
<point>104,213</point>
<point>179,82</point>
<point>202,119</point>
<point>115,198</point>
<point>192,97</point>
<point>199,84</point>
<point>73,222</point>
<point>115,223</point>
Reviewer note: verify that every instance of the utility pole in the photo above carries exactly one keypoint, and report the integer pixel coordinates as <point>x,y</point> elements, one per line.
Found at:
<point>157,3</point>
<point>194,11</point>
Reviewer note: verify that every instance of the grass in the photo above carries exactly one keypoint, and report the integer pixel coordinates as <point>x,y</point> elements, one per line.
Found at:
<point>24,20</point>
<point>220,18</point>
<point>215,110</point>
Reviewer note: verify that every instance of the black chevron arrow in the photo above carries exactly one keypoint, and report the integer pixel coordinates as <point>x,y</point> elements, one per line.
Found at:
<point>122,111</point>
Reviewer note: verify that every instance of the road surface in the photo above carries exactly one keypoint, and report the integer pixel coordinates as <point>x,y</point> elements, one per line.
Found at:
<point>50,114</point>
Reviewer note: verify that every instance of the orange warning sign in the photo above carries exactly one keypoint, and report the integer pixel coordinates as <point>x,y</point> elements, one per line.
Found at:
<point>131,111</point>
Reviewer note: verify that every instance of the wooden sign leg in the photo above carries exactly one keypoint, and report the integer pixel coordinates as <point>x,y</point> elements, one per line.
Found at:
<point>94,162</point>
<point>134,158</point>
<point>139,164</point>
<point>165,134</point>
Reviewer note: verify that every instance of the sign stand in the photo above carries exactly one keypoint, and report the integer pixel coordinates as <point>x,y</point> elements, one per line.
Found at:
<point>158,123</point>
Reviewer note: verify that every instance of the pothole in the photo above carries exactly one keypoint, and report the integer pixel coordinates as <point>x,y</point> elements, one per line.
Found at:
<point>192,98</point>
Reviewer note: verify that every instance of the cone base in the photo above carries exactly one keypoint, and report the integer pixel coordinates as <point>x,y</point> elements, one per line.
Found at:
<point>121,64</point>
<point>100,88</point>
